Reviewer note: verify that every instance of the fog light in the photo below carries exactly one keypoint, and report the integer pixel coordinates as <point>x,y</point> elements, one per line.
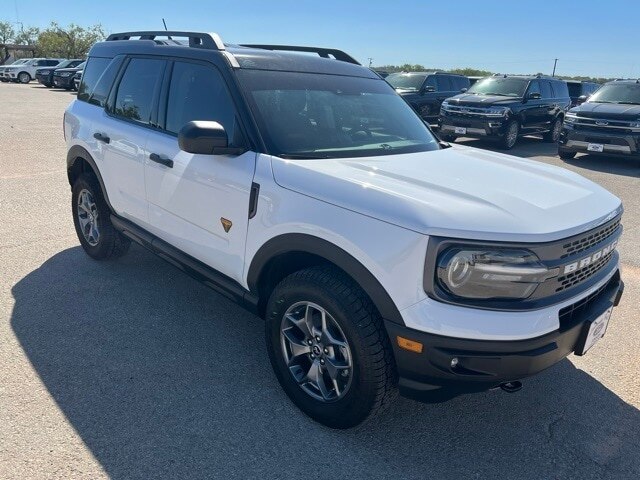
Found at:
<point>454,362</point>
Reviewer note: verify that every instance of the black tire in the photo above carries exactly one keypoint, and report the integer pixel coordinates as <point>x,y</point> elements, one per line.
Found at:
<point>566,155</point>
<point>553,135</point>
<point>373,375</point>
<point>110,243</point>
<point>24,77</point>
<point>448,138</point>
<point>508,141</point>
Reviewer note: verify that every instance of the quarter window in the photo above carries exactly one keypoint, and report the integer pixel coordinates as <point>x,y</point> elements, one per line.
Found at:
<point>198,92</point>
<point>138,88</point>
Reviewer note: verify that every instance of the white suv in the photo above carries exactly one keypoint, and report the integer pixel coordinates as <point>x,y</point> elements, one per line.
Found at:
<point>26,71</point>
<point>307,190</point>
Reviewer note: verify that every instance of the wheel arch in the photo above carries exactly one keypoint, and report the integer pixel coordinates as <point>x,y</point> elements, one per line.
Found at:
<point>79,161</point>
<point>288,253</point>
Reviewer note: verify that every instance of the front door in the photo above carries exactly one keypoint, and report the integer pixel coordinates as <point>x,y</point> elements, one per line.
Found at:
<point>200,203</point>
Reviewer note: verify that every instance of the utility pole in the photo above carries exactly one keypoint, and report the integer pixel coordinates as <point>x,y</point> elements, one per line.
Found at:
<point>165,25</point>
<point>554,67</point>
<point>370,61</point>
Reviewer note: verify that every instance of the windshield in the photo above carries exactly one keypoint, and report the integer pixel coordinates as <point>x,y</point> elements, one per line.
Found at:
<point>617,93</point>
<point>507,87</point>
<point>303,115</point>
<point>406,81</point>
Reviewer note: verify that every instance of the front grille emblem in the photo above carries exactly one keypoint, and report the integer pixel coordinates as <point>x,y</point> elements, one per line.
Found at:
<point>602,123</point>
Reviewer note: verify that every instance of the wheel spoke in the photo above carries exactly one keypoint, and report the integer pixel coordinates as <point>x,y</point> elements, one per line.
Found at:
<point>335,367</point>
<point>315,377</point>
<point>298,347</point>
<point>301,324</point>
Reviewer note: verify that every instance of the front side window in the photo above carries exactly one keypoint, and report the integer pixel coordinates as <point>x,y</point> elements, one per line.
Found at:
<point>407,81</point>
<point>534,87</point>
<point>302,115</point>
<point>137,89</point>
<point>501,86</point>
<point>617,92</point>
<point>198,92</point>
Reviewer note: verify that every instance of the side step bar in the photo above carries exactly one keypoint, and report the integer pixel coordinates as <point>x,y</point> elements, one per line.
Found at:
<point>191,266</point>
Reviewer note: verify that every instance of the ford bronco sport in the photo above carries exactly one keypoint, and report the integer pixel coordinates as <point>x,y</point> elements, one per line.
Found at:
<point>306,189</point>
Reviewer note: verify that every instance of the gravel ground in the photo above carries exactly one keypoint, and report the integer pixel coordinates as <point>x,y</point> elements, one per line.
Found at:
<point>131,369</point>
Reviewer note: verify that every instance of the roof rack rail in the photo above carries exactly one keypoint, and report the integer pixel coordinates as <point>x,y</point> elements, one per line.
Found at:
<point>211,41</point>
<point>323,52</point>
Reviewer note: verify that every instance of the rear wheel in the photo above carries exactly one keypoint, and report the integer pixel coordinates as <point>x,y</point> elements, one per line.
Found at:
<point>329,348</point>
<point>510,137</point>
<point>553,135</point>
<point>24,77</point>
<point>447,138</point>
<point>92,220</point>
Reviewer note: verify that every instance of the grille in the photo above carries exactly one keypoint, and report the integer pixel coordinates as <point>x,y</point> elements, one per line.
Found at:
<point>572,314</point>
<point>590,239</point>
<point>574,278</point>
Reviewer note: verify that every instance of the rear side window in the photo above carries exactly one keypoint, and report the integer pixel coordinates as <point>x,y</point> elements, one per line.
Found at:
<point>138,88</point>
<point>198,92</point>
<point>560,89</point>
<point>103,86</point>
<point>93,70</point>
<point>545,88</point>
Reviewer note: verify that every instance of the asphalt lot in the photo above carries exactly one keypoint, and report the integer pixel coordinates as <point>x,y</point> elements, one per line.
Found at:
<point>131,369</point>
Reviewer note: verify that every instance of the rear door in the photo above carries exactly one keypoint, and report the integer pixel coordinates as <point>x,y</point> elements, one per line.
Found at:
<point>121,133</point>
<point>190,200</point>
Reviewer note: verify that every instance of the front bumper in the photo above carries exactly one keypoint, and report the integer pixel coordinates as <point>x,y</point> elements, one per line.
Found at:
<point>616,142</point>
<point>477,126</point>
<point>485,364</point>
<point>63,82</point>
<point>43,79</point>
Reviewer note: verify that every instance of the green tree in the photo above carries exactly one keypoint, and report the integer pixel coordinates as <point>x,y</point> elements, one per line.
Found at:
<point>7,33</point>
<point>27,36</point>
<point>73,41</point>
<point>471,72</point>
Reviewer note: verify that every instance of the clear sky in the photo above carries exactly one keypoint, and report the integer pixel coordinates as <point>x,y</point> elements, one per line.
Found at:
<point>590,37</point>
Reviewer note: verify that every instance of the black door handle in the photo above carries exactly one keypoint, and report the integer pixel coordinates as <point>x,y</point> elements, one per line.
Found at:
<point>154,157</point>
<point>102,138</point>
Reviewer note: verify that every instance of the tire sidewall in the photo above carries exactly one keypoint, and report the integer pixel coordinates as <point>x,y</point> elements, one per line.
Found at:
<point>84,182</point>
<point>505,143</point>
<point>356,403</point>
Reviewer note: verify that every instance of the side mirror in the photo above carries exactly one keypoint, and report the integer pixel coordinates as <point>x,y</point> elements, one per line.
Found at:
<point>534,96</point>
<point>583,98</point>
<point>206,138</point>
<point>463,90</point>
<point>428,89</point>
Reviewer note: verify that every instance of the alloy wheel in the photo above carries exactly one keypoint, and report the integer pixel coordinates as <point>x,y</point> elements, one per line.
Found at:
<point>24,77</point>
<point>512,134</point>
<point>316,351</point>
<point>87,212</point>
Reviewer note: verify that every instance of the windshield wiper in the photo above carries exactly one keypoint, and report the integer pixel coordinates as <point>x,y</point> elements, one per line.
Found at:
<point>628,103</point>
<point>301,156</point>
<point>498,94</point>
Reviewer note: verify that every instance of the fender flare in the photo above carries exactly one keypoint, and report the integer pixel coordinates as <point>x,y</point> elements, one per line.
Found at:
<point>77,152</point>
<point>303,243</point>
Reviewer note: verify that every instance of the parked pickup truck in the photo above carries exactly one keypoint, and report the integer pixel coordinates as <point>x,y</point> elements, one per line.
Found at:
<point>306,189</point>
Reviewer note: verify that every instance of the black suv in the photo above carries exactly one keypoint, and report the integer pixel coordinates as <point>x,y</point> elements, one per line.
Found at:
<point>579,89</point>
<point>45,75</point>
<point>505,107</point>
<point>63,77</point>
<point>425,91</point>
<point>608,123</point>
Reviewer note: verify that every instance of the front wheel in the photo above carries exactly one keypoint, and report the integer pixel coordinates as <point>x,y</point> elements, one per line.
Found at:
<point>566,155</point>
<point>511,135</point>
<point>92,220</point>
<point>24,77</point>
<point>553,135</point>
<point>329,348</point>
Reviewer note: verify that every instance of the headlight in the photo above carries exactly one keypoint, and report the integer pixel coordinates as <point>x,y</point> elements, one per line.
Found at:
<point>44,72</point>
<point>497,111</point>
<point>490,273</point>
<point>570,117</point>
<point>634,124</point>
<point>65,74</point>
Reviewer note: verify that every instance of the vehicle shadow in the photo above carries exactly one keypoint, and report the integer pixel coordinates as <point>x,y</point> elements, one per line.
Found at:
<point>163,378</point>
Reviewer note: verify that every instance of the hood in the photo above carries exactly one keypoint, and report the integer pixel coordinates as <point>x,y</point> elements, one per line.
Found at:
<point>612,111</point>
<point>459,192</point>
<point>470,100</point>
<point>72,70</point>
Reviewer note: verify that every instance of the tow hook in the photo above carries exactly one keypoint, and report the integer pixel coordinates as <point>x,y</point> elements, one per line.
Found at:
<point>511,387</point>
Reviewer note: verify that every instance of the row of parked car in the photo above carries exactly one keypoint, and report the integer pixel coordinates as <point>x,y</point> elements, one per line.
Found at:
<point>50,72</point>
<point>578,116</point>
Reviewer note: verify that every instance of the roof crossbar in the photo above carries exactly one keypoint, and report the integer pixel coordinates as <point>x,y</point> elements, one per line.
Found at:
<point>323,52</point>
<point>211,41</point>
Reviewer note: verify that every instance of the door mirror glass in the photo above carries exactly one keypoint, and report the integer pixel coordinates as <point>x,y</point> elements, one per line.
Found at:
<point>429,89</point>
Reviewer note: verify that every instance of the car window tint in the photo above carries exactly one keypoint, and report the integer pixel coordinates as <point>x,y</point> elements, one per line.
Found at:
<point>93,70</point>
<point>545,88</point>
<point>136,91</point>
<point>560,89</point>
<point>431,82</point>
<point>534,87</point>
<point>103,85</point>
<point>444,83</point>
<point>198,92</point>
